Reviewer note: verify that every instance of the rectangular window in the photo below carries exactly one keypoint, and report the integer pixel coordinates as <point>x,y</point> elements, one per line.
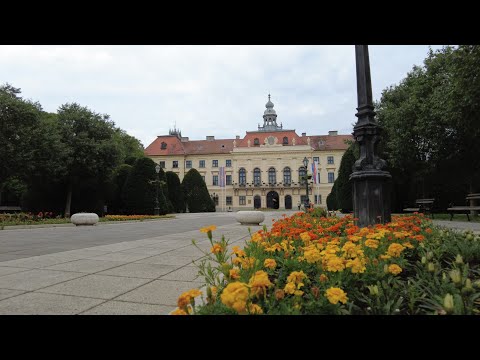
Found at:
<point>228,179</point>
<point>201,163</point>
<point>229,200</point>
<point>162,164</point>
<point>215,180</point>
<point>318,178</point>
<point>188,164</point>
<point>214,163</point>
<point>203,177</point>
<point>175,164</point>
<point>242,200</point>
<point>228,163</point>
<point>331,177</point>
<point>330,160</point>
<point>316,159</point>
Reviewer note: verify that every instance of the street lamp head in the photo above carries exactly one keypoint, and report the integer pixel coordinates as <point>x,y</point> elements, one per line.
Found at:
<point>157,168</point>
<point>305,162</point>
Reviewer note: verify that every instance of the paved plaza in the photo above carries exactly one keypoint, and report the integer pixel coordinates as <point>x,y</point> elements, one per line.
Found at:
<point>121,268</point>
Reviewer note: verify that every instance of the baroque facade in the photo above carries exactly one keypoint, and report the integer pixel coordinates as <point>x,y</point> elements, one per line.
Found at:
<point>264,169</point>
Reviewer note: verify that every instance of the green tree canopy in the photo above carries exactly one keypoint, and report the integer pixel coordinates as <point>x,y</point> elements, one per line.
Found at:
<point>196,193</point>
<point>139,189</point>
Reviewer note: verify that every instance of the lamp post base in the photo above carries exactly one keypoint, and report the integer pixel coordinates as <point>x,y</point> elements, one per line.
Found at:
<point>371,197</point>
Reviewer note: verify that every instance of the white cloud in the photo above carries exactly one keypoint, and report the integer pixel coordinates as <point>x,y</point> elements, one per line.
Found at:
<point>205,90</point>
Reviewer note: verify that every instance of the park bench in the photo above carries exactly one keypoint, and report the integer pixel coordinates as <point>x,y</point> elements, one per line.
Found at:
<point>423,206</point>
<point>10,208</point>
<point>470,209</point>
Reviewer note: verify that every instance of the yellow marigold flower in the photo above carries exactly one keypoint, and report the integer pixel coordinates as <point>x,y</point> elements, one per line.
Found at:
<point>394,269</point>
<point>305,237</point>
<point>256,237</point>
<point>259,283</point>
<point>235,296</point>
<point>312,255</point>
<point>354,238</point>
<point>371,243</point>
<point>178,311</point>
<point>408,245</point>
<point>254,309</point>
<point>217,248</point>
<point>187,297</point>
<point>270,263</point>
<point>395,250</point>
<point>290,288</point>
<point>247,263</point>
<point>335,264</point>
<point>279,294</point>
<point>206,229</point>
<point>296,277</point>
<point>335,295</point>
<point>385,257</point>
<point>298,292</point>
<point>350,249</point>
<point>239,252</point>
<point>323,278</point>
<point>234,274</point>
<point>274,247</point>
<point>357,266</point>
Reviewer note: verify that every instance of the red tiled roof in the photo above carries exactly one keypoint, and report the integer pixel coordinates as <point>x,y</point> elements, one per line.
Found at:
<point>330,142</point>
<point>174,146</point>
<point>220,146</point>
<point>262,135</point>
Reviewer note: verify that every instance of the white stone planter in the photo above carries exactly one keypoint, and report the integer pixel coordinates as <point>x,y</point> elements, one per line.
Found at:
<point>250,217</point>
<point>84,219</point>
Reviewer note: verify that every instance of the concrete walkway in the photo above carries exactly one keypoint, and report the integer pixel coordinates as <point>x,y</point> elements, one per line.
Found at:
<point>143,276</point>
<point>459,225</point>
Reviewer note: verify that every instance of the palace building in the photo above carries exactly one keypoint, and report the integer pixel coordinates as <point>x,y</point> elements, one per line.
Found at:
<point>264,169</point>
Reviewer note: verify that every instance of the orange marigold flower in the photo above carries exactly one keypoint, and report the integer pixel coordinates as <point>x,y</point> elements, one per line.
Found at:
<point>234,274</point>
<point>254,309</point>
<point>279,294</point>
<point>187,297</point>
<point>315,292</point>
<point>178,311</point>
<point>428,231</point>
<point>395,250</point>
<point>206,229</point>
<point>259,283</point>
<point>217,248</point>
<point>235,296</point>
<point>296,277</point>
<point>323,278</point>
<point>394,269</point>
<point>335,295</point>
<point>239,252</point>
<point>270,263</point>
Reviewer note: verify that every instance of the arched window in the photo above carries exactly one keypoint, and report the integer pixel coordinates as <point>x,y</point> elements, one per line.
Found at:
<point>257,178</point>
<point>287,176</point>
<point>285,140</point>
<point>256,141</point>
<point>272,176</point>
<point>301,175</point>
<point>242,176</point>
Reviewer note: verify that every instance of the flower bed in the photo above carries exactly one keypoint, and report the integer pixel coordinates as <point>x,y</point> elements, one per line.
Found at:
<point>308,264</point>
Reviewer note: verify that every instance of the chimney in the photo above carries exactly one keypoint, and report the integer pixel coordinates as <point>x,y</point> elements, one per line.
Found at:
<point>184,139</point>
<point>210,138</point>
<point>237,137</point>
<point>304,134</point>
<point>333,133</point>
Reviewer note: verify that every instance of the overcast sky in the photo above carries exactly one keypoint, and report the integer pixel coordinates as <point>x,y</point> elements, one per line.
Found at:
<point>206,90</point>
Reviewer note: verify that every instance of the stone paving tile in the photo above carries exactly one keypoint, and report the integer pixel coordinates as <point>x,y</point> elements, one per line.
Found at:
<point>165,259</point>
<point>137,270</point>
<point>46,304</point>
<point>186,251</point>
<point>161,292</point>
<point>119,256</point>
<point>10,270</point>
<point>84,253</point>
<point>168,246</point>
<point>7,293</point>
<point>128,308</point>
<point>8,257</point>
<point>145,251</point>
<point>88,266</point>
<point>35,279</point>
<point>36,262</point>
<point>119,247</point>
<point>187,273</point>
<point>96,286</point>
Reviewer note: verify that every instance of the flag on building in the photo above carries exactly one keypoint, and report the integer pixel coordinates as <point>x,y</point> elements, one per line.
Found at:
<point>314,172</point>
<point>222,176</point>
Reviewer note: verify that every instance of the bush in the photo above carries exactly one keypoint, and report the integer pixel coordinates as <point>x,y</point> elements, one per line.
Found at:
<point>332,198</point>
<point>175,192</point>
<point>307,265</point>
<point>343,191</point>
<point>196,193</point>
<point>139,191</point>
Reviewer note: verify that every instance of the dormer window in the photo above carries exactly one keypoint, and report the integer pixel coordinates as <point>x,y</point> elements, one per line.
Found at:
<point>256,141</point>
<point>285,140</point>
<point>163,146</point>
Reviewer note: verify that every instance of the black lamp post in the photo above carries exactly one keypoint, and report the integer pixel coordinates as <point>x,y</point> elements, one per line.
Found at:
<point>371,184</point>
<point>307,200</point>
<point>157,183</point>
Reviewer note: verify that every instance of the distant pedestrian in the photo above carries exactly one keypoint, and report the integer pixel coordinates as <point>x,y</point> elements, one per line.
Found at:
<point>299,204</point>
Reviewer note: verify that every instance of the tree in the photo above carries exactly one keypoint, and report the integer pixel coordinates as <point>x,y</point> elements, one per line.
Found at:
<point>116,204</point>
<point>175,192</point>
<point>332,198</point>
<point>196,193</point>
<point>165,190</point>
<point>139,189</point>
<point>93,152</point>
<point>344,186</point>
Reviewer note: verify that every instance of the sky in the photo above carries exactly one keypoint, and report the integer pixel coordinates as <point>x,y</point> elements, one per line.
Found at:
<point>204,90</point>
